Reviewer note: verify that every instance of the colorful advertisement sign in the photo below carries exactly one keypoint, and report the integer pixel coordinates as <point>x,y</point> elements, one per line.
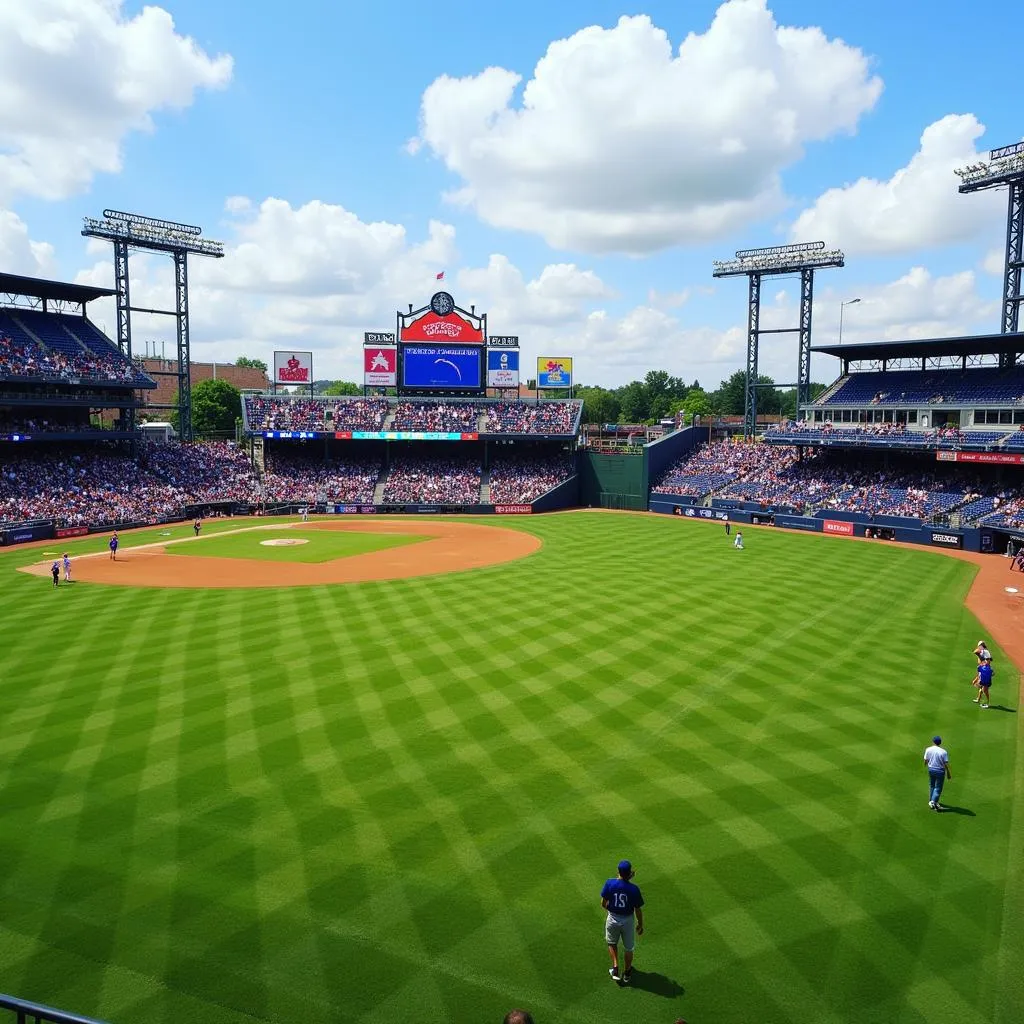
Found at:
<point>293,367</point>
<point>554,372</point>
<point>453,327</point>
<point>503,368</point>
<point>450,367</point>
<point>998,458</point>
<point>380,366</point>
<point>837,526</point>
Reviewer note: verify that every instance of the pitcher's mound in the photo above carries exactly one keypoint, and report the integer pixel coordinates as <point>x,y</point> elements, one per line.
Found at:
<point>283,542</point>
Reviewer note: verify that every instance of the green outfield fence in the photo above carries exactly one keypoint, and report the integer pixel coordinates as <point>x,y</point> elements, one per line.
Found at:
<point>35,1013</point>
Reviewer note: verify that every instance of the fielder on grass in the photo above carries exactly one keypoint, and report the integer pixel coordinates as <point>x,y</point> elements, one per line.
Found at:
<point>937,760</point>
<point>623,900</point>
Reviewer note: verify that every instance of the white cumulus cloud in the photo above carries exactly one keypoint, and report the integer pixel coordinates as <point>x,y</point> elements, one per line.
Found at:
<point>76,77</point>
<point>621,142</point>
<point>917,208</point>
<point>19,254</point>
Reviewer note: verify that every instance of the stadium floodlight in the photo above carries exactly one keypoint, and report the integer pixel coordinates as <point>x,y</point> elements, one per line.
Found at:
<point>1004,169</point>
<point>801,258</point>
<point>132,231</point>
<point>1003,166</point>
<point>151,233</point>
<point>779,259</point>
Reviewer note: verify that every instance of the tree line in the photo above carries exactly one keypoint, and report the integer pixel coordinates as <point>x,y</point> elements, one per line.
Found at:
<point>660,395</point>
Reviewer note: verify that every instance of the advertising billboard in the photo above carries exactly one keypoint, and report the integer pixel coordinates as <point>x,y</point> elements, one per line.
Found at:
<point>837,526</point>
<point>554,372</point>
<point>380,366</point>
<point>293,367</point>
<point>503,368</point>
<point>448,367</point>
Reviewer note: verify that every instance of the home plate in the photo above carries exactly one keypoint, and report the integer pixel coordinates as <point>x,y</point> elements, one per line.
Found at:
<point>283,542</point>
<point>1011,590</point>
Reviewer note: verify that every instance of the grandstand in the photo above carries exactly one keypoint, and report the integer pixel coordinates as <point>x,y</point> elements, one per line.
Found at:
<point>61,378</point>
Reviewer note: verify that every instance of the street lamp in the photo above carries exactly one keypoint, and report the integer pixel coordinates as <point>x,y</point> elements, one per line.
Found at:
<point>842,307</point>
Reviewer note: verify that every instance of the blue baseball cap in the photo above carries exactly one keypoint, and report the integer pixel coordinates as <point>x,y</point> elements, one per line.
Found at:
<point>936,739</point>
<point>625,868</point>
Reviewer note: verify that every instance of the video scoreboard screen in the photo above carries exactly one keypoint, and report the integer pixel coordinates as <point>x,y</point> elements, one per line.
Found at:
<point>445,367</point>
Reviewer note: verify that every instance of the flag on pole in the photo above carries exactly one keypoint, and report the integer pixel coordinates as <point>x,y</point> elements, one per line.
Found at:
<point>440,277</point>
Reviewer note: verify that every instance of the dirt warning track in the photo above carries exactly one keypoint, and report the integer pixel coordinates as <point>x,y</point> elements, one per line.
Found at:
<point>448,547</point>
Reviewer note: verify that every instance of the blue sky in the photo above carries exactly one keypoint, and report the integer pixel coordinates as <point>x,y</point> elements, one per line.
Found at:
<point>595,190</point>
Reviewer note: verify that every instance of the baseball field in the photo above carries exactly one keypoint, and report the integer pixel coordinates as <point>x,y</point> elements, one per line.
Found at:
<point>398,799</point>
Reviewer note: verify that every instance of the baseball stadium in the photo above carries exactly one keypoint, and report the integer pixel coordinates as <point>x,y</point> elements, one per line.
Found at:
<point>341,719</point>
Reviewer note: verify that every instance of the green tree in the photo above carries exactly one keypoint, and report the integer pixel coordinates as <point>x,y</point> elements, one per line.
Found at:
<point>251,364</point>
<point>633,402</point>
<point>341,387</point>
<point>599,405</point>
<point>215,407</point>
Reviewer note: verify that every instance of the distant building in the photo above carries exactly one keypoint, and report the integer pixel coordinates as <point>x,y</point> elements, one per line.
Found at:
<point>166,393</point>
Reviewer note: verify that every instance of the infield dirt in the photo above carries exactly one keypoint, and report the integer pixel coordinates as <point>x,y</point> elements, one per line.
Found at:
<point>448,547</point>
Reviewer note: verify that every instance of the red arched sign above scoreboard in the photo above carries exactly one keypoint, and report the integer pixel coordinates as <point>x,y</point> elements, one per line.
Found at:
<point>442,321</point>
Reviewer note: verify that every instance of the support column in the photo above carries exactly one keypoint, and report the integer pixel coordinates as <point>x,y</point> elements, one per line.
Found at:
<point>753,330</point>
<point>184,353</point>
<point>803,371</point>
<point>1014,261</point>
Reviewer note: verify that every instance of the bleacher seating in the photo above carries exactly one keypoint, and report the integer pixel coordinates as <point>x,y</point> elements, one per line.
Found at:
<point>48,346</point>
<point>924,387</point>
<point>883,435</point>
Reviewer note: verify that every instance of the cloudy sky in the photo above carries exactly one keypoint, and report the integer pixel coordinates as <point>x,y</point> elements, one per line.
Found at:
<point>573,168</point>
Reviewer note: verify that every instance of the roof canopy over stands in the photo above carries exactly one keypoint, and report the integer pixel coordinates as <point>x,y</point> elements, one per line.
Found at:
<point>927,353</point>
<point>50,291</point>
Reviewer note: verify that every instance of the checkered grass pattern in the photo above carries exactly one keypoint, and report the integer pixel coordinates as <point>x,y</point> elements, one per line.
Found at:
<point>399,801</point>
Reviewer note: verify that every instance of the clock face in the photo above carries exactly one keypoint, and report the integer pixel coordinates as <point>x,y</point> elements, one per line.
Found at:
<point>442,304</point>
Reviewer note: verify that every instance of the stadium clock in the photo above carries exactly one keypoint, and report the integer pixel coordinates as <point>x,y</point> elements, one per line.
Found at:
<point>442,303</point>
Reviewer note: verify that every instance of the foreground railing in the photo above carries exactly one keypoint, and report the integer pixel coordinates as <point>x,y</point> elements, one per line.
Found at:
<point>35,1013</point>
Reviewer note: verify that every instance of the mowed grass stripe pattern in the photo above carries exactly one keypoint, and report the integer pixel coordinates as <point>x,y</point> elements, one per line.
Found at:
<point>369,802</point>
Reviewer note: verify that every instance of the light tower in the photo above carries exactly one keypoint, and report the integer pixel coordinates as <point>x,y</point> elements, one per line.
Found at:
<point>1004,167</point>
<point>803,258</point>
<point>130,231</point>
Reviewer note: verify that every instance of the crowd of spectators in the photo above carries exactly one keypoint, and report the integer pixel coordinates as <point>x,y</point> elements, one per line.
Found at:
<point>437,417</point>
<point>433,481</point>
<point>74,420</point>
<point>27,358</point>
<point>310,479</point>
<point>523,478</point>
<point>527,418</point>
<point>87,486</point>
<point>823,479</point>
<point>319,414</point>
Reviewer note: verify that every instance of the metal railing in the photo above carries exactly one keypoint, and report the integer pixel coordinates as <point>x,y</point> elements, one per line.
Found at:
<point>35,1013</point>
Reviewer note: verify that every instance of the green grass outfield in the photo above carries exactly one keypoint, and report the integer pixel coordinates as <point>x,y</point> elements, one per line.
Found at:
<point>320,546</point>
<point>398,801</point>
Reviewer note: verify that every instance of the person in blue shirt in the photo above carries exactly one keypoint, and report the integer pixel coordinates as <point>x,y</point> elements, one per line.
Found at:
<point>623,901</point>
<point>983,680</point>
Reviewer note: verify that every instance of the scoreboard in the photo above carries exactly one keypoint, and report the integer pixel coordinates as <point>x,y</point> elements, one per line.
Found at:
<point>442,367</point>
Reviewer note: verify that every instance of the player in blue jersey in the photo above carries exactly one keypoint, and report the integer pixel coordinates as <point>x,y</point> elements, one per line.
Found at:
<point>983,680</point>
<point>623,901</point>
<point>113,548</point>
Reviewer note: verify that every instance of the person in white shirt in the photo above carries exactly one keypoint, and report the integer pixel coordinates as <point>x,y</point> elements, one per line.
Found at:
<point>982,653</point>
<point>937,760</point>
<point>738,542</point>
